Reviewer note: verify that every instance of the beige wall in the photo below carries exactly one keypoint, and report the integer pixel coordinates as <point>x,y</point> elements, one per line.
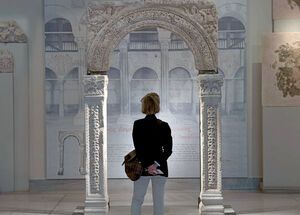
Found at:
<point>259,22</point>
<point>29,15</point>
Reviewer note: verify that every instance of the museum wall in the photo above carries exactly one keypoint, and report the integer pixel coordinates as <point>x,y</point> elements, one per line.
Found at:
<point>6,133</point>
<point>281,133</point>
<point>29,15</point>
<point>259,23</point>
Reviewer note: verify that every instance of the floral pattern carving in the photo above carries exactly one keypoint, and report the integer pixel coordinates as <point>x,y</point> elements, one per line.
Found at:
<point>10,32</point>
<point>195,23</point>
<point>212,163</point>
<point>6,61</point>
<point>95,85</point>
<point>96,148</point>
<point>288,69</point>
<point>210,85</point>
<point>98,15</point>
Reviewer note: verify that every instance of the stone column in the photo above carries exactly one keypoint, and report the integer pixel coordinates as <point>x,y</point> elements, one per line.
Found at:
<point>95,101</point>
<point>211,176</point>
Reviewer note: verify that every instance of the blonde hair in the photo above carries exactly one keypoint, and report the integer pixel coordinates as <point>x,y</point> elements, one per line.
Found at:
<point>150,103</point>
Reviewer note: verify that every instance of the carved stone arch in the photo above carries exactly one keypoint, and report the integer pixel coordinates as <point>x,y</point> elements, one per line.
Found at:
<point>195,21</point>
<point>200,35</point>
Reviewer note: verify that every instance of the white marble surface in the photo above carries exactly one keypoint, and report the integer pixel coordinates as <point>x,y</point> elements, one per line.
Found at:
<point>181,198</point>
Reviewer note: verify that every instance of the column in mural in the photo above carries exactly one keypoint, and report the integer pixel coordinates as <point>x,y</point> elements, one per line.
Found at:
<point>125,104</point>
<point>164,38</point>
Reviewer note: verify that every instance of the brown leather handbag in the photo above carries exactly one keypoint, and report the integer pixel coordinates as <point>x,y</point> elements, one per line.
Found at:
<point>133,167</point>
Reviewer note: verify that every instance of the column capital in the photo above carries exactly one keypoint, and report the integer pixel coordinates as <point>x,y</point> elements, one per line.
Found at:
<point>95,85</point>
<point>210,85</point>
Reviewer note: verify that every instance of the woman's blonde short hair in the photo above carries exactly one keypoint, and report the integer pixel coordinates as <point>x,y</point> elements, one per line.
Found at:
<point>150,103</point>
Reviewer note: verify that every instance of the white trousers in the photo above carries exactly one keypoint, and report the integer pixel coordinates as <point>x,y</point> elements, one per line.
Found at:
<point>139,191</point>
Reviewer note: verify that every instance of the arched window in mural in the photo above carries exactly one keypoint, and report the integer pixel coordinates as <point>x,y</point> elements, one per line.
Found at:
<point>59,36</point>
<point>71,93</point>
<point>231,33</point>
<point>181,98</point>
<point>51,93</point>
<point>114,92</point>
<point>143,81</point>
<point>239,94</point>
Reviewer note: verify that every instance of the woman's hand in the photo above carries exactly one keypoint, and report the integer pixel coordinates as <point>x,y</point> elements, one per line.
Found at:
<point>152,170</point>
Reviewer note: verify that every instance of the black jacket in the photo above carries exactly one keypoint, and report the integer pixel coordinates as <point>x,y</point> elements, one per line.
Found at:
<point>153,142</point>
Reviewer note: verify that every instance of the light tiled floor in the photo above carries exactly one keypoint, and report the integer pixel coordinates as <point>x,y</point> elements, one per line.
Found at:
<point>181,199</point>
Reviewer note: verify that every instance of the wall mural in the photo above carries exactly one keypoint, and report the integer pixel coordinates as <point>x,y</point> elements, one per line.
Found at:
<point>286,9</point>
<point>281,70</point>
<point>136,69</point>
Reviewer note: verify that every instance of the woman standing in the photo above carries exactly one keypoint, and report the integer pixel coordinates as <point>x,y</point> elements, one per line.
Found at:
<point>153,144</point>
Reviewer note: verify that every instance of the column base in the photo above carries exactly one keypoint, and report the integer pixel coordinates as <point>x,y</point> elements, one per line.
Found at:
<point>211,204</point>
<point>95,206</point>
<point>228,210</point>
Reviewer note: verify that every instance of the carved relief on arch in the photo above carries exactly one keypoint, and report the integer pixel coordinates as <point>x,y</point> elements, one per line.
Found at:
<point>195,23</point>
<point>6,61</point>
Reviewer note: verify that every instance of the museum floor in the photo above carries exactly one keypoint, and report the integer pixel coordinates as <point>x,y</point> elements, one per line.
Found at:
<point>181,199</point>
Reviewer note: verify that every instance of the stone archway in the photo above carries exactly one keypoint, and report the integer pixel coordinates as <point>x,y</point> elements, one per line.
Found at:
<point>196,22</point>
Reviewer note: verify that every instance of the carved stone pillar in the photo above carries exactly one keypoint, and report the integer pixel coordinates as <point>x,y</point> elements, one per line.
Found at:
<point>211,174</point>
<point>95,100</point>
